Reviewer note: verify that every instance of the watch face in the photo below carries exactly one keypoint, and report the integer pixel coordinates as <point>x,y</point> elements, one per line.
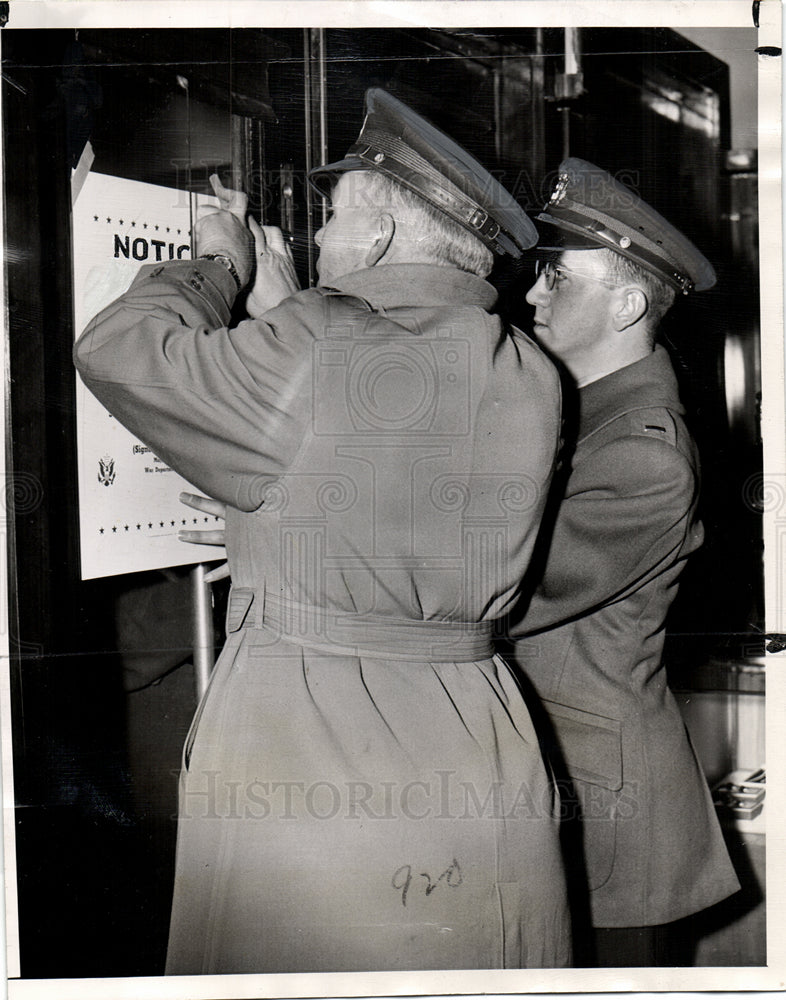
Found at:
<point>220,258</point>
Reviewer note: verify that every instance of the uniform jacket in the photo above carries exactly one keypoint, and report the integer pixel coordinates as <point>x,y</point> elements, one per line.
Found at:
<point>591,639</point>
<point>368,441</point>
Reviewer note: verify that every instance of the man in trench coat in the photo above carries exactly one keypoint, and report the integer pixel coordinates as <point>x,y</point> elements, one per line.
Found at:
<point>591,636</point>
<point>362,787</point>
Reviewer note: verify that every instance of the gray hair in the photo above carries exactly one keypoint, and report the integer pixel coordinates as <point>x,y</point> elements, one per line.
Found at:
<point>444,241</point>
<point>660,296</point>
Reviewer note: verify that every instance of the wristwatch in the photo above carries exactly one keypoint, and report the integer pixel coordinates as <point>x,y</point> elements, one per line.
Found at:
<point>221,258</point>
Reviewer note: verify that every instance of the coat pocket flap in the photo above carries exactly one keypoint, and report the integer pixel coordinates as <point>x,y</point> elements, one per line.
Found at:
<point>591,744</point>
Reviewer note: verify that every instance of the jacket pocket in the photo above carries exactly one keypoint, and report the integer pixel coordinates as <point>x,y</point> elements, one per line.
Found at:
<point>591,750</point>
<point>591,745</point>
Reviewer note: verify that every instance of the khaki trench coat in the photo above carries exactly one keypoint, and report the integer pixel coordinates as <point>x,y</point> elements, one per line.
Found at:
<point>362,787</point>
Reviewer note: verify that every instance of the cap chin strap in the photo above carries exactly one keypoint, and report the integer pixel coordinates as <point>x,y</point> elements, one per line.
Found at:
<point>595,229</point>
<point>406,167</point>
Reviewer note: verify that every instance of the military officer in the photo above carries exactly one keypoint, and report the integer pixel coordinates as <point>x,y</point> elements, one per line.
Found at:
<point>362,786</point>
<point>591,635</point>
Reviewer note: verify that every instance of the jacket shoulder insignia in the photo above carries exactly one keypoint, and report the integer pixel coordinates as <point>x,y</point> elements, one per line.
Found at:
<point>654,422</point>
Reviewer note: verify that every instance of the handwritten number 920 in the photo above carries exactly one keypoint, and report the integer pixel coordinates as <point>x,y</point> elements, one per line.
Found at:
<point>403,878</point>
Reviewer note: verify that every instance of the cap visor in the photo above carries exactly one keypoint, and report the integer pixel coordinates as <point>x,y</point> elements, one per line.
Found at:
<point>557,236</point>
<point>323,179</point>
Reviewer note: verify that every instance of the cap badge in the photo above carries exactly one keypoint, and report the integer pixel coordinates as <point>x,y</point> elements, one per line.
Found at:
<point>559,189</point>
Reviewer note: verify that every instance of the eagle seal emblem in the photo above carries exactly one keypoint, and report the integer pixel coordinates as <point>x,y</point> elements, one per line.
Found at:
<point>106,470</point>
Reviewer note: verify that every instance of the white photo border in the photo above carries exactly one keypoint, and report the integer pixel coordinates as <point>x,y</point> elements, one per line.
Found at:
<point>487,13</point>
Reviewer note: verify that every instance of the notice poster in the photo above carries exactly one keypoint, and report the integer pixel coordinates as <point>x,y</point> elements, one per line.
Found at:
<point>129,511</point>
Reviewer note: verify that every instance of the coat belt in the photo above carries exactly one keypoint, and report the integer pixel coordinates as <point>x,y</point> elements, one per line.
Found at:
<point>340,633</point>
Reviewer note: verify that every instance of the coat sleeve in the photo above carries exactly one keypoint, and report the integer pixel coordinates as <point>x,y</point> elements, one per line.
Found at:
<point>517,438</point>
<point>225,408</point>
<point>627,512</point>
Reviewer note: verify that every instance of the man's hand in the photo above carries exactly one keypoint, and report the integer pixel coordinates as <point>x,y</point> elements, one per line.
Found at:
<point>275,278</point>
<point>225,232</point>
<point>206,537</point>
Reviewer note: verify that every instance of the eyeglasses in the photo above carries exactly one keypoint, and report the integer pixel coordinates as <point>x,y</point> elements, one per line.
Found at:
<point>553,272</point>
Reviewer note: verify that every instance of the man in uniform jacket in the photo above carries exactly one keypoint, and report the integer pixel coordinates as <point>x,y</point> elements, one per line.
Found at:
<point>591,637</point>
<point>362,787</point>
